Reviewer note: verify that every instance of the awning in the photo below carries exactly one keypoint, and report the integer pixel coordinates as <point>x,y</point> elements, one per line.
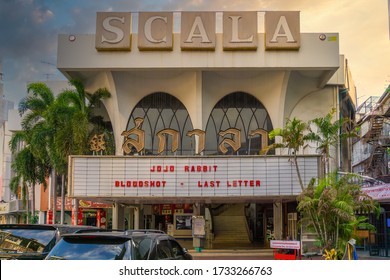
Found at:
<point>378,192</point>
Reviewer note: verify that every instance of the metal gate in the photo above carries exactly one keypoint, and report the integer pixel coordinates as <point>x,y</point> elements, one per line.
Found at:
<point>379,241</point>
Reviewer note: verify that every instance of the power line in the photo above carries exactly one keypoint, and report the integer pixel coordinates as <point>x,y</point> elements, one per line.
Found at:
<point>50,64</point>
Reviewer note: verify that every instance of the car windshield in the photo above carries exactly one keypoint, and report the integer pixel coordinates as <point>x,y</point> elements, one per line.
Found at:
<point>26,240</point>
<point>90,248</point>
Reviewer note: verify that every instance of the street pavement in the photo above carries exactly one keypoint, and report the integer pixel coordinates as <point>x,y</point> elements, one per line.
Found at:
<point>252,251</point>
<point>260,254</point>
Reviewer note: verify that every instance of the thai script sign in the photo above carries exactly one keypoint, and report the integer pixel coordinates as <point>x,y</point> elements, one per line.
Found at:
<point>134,139</point>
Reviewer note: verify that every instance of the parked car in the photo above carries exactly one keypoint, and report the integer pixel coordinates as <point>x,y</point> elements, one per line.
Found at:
<point>31,242</point>
<point>118,245</point>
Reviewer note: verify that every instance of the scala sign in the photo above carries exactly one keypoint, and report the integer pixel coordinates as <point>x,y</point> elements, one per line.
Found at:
<point>198,31</point>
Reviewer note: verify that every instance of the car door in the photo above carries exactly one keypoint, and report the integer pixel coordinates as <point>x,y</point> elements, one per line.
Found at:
<point>164,251</point>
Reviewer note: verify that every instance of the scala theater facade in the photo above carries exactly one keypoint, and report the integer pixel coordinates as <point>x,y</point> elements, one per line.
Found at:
<point>191,109</point>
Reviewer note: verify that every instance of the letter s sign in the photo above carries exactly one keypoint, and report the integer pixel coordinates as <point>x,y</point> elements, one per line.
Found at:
<point>119,35</point>
<point>113,31</point>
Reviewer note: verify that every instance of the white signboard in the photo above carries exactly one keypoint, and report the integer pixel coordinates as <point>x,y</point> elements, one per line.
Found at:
<point>198,226</point>
<point>224,176</point>
<point>285,244</point>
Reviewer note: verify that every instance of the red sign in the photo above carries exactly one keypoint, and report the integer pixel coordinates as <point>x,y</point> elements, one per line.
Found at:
<point>101,219</point>
<point>49,217</point>
<point>378,192</point>
<point>170,209</point>
<point>79,217</point>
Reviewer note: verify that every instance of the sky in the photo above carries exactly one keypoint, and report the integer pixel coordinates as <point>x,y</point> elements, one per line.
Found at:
<point>29,31</point>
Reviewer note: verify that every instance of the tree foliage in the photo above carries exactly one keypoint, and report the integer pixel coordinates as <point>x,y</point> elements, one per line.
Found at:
<point>327,133</point>
<point>330,208</point>
<point>328,205</point>
<point>293,137</point>
<point>52,129</point>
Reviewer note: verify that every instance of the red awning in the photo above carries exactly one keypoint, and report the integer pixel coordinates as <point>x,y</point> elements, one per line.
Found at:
<point>378,192</point>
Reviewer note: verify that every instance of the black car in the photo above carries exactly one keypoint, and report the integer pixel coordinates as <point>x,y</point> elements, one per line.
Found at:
<point>118,245</point>
<point>31,242</point>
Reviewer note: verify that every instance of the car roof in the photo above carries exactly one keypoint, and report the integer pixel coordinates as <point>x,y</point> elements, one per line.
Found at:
<point>28,226</point>
<point>117,233</point>
<point>146,231</point>
<point>59,227</point>
<point>44,225</point>
<point>97,234</point>
<point>143,232</point>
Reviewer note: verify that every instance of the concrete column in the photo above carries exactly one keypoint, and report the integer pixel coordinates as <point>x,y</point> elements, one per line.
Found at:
<point>198,242</point>
<point>141,217</point>
<point>41,217</point>
<point>278,220</point>
<point>131,218</point>
<point>136,217</point>
<point>118,216</point>
<point>76,211</point>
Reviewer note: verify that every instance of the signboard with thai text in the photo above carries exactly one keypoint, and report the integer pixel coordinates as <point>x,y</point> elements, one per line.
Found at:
<point>285,244</point>
<point>82,204</point>
<point>198,226</point>
<point>224,176</point>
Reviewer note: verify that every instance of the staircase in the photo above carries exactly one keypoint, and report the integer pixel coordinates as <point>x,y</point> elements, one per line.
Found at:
<point>376,128</point>
<point>230,226</point>
<point>375,162</point>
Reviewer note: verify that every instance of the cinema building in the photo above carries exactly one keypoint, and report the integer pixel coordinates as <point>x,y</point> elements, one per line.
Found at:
<point>194,96</point>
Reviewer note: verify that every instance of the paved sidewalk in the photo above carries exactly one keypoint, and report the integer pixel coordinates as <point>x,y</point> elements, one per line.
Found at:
<point>263,254</point>
<point>252,251</point>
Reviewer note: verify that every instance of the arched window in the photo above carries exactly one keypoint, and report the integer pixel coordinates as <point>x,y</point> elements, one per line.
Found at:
<point>241,111</point>
<point>162,111</point>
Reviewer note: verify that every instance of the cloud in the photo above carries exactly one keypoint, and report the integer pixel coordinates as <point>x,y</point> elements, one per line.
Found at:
<point>23,28</point>
<point>41,15</point>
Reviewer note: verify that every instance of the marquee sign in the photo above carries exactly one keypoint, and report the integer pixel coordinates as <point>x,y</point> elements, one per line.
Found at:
<point>198,31</point>
<point>188,177</point>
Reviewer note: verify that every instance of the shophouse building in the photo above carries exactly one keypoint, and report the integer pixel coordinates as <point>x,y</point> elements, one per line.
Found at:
<point>371,159</point>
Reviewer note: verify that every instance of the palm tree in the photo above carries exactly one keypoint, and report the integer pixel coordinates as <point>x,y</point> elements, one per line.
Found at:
<point>293,138</point>
<point>72,116</point>
<point>328,201</point>
<point>328,135</point>
<point>29,170</point>
<point>57,127</point>
<point>331,206</point>
<point>31,163</point>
